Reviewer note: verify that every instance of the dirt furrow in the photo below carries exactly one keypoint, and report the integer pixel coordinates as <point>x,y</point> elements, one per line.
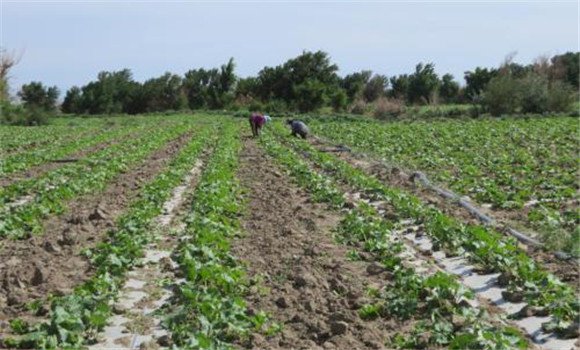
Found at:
<point>54,262</point>
<point>308,284</point>
<point>137,325</point>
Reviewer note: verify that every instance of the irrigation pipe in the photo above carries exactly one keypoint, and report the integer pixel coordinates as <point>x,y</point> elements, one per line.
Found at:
<point>422,178</point>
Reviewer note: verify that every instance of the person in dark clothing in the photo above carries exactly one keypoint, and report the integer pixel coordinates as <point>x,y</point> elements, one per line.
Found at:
<point>298,128</point>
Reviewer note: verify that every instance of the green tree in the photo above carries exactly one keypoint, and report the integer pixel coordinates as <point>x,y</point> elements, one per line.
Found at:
<point>112,92</point>
<point>399,87</point>
<point>376,87</point>
<point>477,80</point>
<point>224,92</point>
<point>37,96</point>
<point>310,95</point>
<point>210,88</point>
<point>339,100</point>
<point>164,93</point>
<point>196,86</point>
<point>247,87</point>
<point>567,68</point>
<point>449,89</point>
<point>290,82</point>
<point>354,84</point>
<point>73,101</point>
<point>423,84</point>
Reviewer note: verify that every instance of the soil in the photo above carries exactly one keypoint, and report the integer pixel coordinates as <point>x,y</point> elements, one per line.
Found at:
<point>53,262</point>
<point>307,283</point>
<point>567,271</point>
<point>38,170</point>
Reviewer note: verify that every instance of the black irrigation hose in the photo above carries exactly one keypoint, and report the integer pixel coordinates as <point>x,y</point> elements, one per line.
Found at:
<point>451,197</point>
<point>472,210</point>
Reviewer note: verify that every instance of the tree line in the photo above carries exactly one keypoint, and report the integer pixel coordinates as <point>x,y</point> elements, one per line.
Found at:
<point>311,81</point>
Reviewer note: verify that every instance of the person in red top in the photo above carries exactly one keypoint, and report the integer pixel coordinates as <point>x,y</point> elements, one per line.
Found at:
<point>257,120</point>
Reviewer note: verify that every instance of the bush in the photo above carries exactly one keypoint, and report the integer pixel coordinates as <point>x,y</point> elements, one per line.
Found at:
<point>255,106</point>
<point>501,95</point>
<point>561,97</point>
<point>385,108</point>
<point>275,106</point>
<point>309,95</point>
<point>359,106</point>
<point>533,90</point>
<point>339,101</point>
<point>533,93</point>
<point>18,115</point>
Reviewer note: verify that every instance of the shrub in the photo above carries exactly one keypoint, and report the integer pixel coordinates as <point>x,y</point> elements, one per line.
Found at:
<point>275,106</point>
<point>35,95</point>
<point>385,108</point>
<point>532,93</point>
<point>18,115</point>
<point>359,106</point>
<point>309,95</point>
<point>501,95</point>
<point>339,101</point>
<point>561,97</point>
<point>256,106</point>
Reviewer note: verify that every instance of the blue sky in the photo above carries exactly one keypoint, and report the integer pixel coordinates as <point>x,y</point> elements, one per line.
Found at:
<point>67,43</point>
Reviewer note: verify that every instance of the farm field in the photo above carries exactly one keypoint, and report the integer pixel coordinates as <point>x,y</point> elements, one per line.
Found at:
<point>524,171</point>
<point>182,231</point>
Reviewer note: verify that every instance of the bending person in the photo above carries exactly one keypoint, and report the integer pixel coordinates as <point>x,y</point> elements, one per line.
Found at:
<point>298,128</point>
<point>256,122</point>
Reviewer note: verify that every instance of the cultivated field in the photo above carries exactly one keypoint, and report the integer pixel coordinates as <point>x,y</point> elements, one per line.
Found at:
<point>183,231</point>
<point>524,170</point>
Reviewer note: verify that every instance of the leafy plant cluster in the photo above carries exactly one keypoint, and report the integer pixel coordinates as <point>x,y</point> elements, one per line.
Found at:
<point>483,246</point>
<point>76,319</point>
<point>503,162</point>
<point>50,190</point>
<point>438,303</point>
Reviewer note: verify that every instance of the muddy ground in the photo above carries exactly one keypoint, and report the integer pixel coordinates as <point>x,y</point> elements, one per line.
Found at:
<point>308,284</point>
<point>30,269</point>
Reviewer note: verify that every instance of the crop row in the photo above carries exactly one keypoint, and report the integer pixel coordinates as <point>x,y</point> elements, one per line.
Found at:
<point>13,138</point>
<point>209,311</point>
<point>437,303</point>
<point>17,139</point>
<point>57,150</point>
<point>484,247</point>
<point>503,162</point>
<point>50,191</point>
<point>77,318</point>
<point>448,319</point>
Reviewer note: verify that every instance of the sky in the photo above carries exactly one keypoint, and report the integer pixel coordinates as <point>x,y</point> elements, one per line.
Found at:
<point>66,43</point>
